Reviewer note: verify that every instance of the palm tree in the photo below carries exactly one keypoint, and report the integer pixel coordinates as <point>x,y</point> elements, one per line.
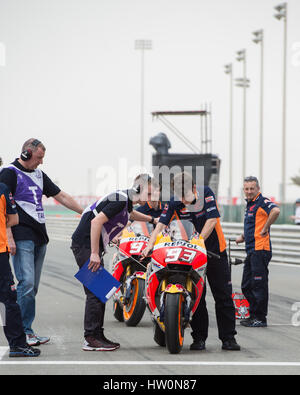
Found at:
<point>296,180</point>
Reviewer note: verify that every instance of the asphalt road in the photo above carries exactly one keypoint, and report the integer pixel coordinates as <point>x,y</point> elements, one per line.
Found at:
<point>60,306</point>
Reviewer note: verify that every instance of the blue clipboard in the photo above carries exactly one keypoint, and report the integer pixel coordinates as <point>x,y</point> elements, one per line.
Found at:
<point>101,283</point>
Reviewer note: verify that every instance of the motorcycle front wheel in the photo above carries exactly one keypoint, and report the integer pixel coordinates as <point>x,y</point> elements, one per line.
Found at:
<point>174,322</point>
<point>134,310</point>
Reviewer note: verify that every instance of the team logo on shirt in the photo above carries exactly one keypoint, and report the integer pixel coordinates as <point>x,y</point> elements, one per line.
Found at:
<point>209,199</point>
<point>165,208</point>
<point>12,200</point>
<point>184,210</point>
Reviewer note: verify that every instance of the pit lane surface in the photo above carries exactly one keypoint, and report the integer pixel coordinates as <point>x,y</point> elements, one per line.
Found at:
<point>60,307</point>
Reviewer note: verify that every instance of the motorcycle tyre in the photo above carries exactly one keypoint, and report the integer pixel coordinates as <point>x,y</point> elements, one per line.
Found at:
<point>159,335</point>
<point>118,311</point>
<point>174,322</point>
<point>137,304</point>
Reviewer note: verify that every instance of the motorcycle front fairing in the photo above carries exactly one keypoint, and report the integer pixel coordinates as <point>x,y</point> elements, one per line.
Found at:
<point>175,266</point>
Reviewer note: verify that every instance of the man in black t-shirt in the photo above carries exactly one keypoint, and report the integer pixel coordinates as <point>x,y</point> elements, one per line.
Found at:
<point>28,240</point>
<point>101,223</point>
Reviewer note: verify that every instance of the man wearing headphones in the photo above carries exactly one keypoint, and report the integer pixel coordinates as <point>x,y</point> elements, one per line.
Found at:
<point>28,240</point>
<point>99,224</point>
<point>10,313</point>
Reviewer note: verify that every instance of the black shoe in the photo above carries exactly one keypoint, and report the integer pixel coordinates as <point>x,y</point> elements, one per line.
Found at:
<point>25,351</point>
<point>230,345</point>
<point>245,320</point>
<point>255,323</point>
<point>93,344</point>
<point>198,345</point>
<point>117,345</point>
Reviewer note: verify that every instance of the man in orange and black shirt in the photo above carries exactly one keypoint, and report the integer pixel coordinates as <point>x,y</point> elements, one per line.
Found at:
<point>198,205</point>
<point>260,214</point>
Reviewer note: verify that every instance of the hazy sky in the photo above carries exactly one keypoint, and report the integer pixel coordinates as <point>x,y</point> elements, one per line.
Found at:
<point>70,76</point>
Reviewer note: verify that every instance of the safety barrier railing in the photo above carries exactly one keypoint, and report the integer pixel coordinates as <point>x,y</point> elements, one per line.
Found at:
<point>285,238</point>
<point>285,241</point>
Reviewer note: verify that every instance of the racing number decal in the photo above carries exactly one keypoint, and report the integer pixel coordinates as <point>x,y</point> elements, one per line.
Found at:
<point>136,248</point>
<point>188,255</point>
<point>178,254</point>
<point>173,255</point>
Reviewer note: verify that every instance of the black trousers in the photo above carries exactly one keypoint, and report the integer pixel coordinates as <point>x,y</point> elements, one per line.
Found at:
<point>255,283</point>
<point>94,308</point>
<point>219,279</point>
<point>9,309</point>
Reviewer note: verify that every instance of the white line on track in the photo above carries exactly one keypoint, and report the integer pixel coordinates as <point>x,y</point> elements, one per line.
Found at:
<point>170,363</point>
<point>3,351</point>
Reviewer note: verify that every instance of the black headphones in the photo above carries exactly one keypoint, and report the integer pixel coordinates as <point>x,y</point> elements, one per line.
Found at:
<point>27,154</point>
<point>142,180</point>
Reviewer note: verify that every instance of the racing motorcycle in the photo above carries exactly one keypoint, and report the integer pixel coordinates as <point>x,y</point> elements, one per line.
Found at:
<point>128,302</point>
<point>174,285</point>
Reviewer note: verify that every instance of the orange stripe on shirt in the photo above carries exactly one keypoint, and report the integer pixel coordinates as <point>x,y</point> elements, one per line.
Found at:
<point>261,243</point>
<point>220,234</point>
<point>3,236</point>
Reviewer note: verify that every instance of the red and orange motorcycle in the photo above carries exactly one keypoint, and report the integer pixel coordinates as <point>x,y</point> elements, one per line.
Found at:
<point>174,285</point>
<point>128,303</point>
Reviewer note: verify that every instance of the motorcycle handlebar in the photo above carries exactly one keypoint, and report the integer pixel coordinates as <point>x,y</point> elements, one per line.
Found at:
<point>237,261</point>
<point>213,255</point>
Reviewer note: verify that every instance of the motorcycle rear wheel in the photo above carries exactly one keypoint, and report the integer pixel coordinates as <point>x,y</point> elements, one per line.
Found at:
<point>159,335</point>
<point>118,311</point>
<point>174,322</point>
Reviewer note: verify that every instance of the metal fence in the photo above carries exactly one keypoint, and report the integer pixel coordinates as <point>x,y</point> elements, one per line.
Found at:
<point>236,213</point>
<point>285,241</point>
<point>285,238</point>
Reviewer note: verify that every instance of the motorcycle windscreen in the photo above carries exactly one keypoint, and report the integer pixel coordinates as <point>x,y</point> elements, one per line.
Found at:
<point>181,230</point>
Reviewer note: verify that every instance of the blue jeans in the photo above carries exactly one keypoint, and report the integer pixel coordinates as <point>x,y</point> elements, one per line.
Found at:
<point>28,263</point>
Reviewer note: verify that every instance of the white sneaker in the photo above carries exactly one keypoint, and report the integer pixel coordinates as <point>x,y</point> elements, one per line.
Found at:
<point>42,339</point>
<point>32,340</point>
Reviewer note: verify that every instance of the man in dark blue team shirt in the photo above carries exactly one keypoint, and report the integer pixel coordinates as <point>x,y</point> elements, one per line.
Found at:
<point>260,214</point>
<point>198,205</point>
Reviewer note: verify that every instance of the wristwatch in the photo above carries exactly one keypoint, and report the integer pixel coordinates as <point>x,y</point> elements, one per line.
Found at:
<point>152,220</point>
